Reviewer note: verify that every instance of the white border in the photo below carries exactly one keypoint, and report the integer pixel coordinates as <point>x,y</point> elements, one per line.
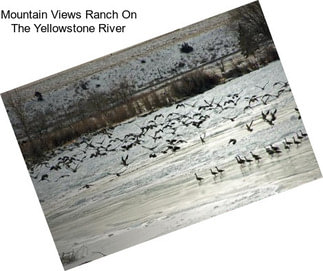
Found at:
<point>283,232</point>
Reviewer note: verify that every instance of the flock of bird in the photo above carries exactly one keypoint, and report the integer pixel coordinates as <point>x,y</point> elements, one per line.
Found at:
<point>161,134</point>
<point>271,150</point>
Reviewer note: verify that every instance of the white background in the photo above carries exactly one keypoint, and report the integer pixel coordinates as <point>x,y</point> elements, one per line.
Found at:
<point>283,232</point>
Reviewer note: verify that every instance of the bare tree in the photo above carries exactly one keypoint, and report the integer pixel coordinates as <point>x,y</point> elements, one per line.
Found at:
<point>252,27</point>
<point>15,102</point>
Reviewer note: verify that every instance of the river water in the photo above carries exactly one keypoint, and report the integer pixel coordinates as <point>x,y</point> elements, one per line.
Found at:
<point>154,196</point>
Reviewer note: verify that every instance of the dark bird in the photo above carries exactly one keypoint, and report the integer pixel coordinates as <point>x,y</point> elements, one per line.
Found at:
<point>202,139</point>
<point>198,124</point>
<point>164,151</point>
<point>93,155</point>
<point>219,170</point>
<point>149,148</point>
<point>60,177</point>
<point>180,105</point>
<point>303,134</point>
<point>227,102</point>
<point>270,151</point>
<point>255,156</point>
<point>236,95</point>
<point>118,174</point>
<point>287,142</point>
<point>284,84</point>
<point>297,142</point>
<point>227,107</point>
<point>75,169</point>
<point>270,122</point>
<point>213,173</point>
<point>247,160</point>
<point>191,105</point>
<point>252,99</point>
<point>239,160</point>
<point>203,107</point>
<point>265,98</point>
<point>198,178</point>
<point>171,141</point>
<point>174,148</point>
<point>124,161</point>
<point>209,103</point>
<point>246,108</point>
<point>56,167</point>
<point>197,114</point>
<point>279,92</point>
<point>39,96</point>
<point>262,88</point>
<point>249,126</point>
<point>152,155</point>
<point>231,101</point>
<point>273,114</point>
<point>44,178</point>
<point>125,147</point>
<point>232,118</point>
<point>297,111</point>
<point>100,143</point>
<point>274,148</point>
<point>264,115</point>
<point>155,138</point>
<point>86,186</point>
<point>92,146</point>
<point>158,116</point>
<point>286,146</point>
<point>233,141</point>
<point>299,136</point>
<point>236,101</point>
<point>218,105</point>
<point>159,131</point>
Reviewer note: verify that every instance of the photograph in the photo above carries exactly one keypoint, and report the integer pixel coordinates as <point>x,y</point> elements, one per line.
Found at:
<point>161,135</point>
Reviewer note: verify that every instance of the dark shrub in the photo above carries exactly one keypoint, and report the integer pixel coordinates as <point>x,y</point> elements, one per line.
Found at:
<point>39,96</point>
<point>193,83</point>
<point>181,64</point>
<point>233,73</point>
<point>271,54</point>
<point>186,48</point>
<point>84,85</point>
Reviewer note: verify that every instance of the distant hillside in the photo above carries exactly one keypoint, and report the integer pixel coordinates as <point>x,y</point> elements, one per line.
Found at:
<point>105,91</point>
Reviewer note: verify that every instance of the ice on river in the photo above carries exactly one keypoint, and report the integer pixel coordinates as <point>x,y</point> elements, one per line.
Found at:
<point>149,196</point>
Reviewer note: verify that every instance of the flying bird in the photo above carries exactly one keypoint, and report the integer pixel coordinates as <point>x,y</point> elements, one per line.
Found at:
<point>249,126</point>
<point>202,139</point>
<point>231,118</point>
<point>86,186</point>
<point>233,141</point>
<point>124,161</point>
<point>262,88</point>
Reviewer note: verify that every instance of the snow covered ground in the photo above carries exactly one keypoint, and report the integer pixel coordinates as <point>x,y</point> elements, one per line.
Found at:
<point>110,190</point>
<point>141,66</point>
